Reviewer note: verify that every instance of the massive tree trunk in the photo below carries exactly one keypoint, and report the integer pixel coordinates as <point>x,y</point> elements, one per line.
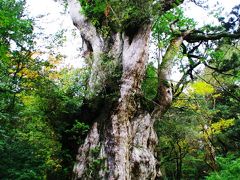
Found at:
<point>121,142</point>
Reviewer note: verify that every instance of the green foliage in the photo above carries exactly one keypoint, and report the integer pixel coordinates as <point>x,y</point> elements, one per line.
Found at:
<point>178,134</point>
<point>201,116</point>
<point>79,129</point>
<point>229,169</point>
<point>14,27</point>
<point>119,16</point>
<point>29,153</point>
<point>95,10</point>
<point>226,58</point>
<point>95,164</point>
<point>15,43</point>
<point>42,111</point>
<point>27,145</point>
<point>194,166</point>
<point>202,88</point>
<point>221,125</point>
<point>37,104</point>
<point>162,31</point>
<point>150,83</point>
<point>18,160</point>
<point>110,72</point>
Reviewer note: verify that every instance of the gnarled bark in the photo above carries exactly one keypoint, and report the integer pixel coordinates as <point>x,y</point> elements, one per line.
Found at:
<point>128,142</point>
<point>122,140</point>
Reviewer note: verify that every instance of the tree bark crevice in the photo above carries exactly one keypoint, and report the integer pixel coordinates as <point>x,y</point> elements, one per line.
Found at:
<point>126,150</point>
<point>123,149</point>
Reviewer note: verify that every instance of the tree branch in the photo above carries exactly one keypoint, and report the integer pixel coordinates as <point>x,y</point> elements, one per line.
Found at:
<point>87,30</point>
<point>183,81</point>
<point>225,90</point>
<point>169,4</point>
<point>221,71</point>
<point>192,37</point>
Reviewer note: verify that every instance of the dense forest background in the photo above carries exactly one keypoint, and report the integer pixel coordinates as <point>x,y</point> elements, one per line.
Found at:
<point>45,111</point>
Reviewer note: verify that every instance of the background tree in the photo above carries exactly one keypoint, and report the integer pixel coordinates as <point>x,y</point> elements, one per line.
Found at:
<point>21,155</point>
<point>201,110</point>
<point>30,144</point>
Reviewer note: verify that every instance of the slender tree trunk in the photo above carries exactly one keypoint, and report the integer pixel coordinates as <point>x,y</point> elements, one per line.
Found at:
<point>179,162</point>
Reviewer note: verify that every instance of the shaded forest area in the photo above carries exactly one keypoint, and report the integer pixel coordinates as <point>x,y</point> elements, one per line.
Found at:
<point>47,113</point>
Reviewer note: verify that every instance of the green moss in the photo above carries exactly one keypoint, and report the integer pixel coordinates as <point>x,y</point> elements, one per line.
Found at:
<point>115,15</point>
<point>95,164</point>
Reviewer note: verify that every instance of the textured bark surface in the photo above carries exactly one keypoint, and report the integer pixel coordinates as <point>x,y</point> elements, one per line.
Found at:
<point>128,143</point>
<point>121,142</point>
<point>123,138</point>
